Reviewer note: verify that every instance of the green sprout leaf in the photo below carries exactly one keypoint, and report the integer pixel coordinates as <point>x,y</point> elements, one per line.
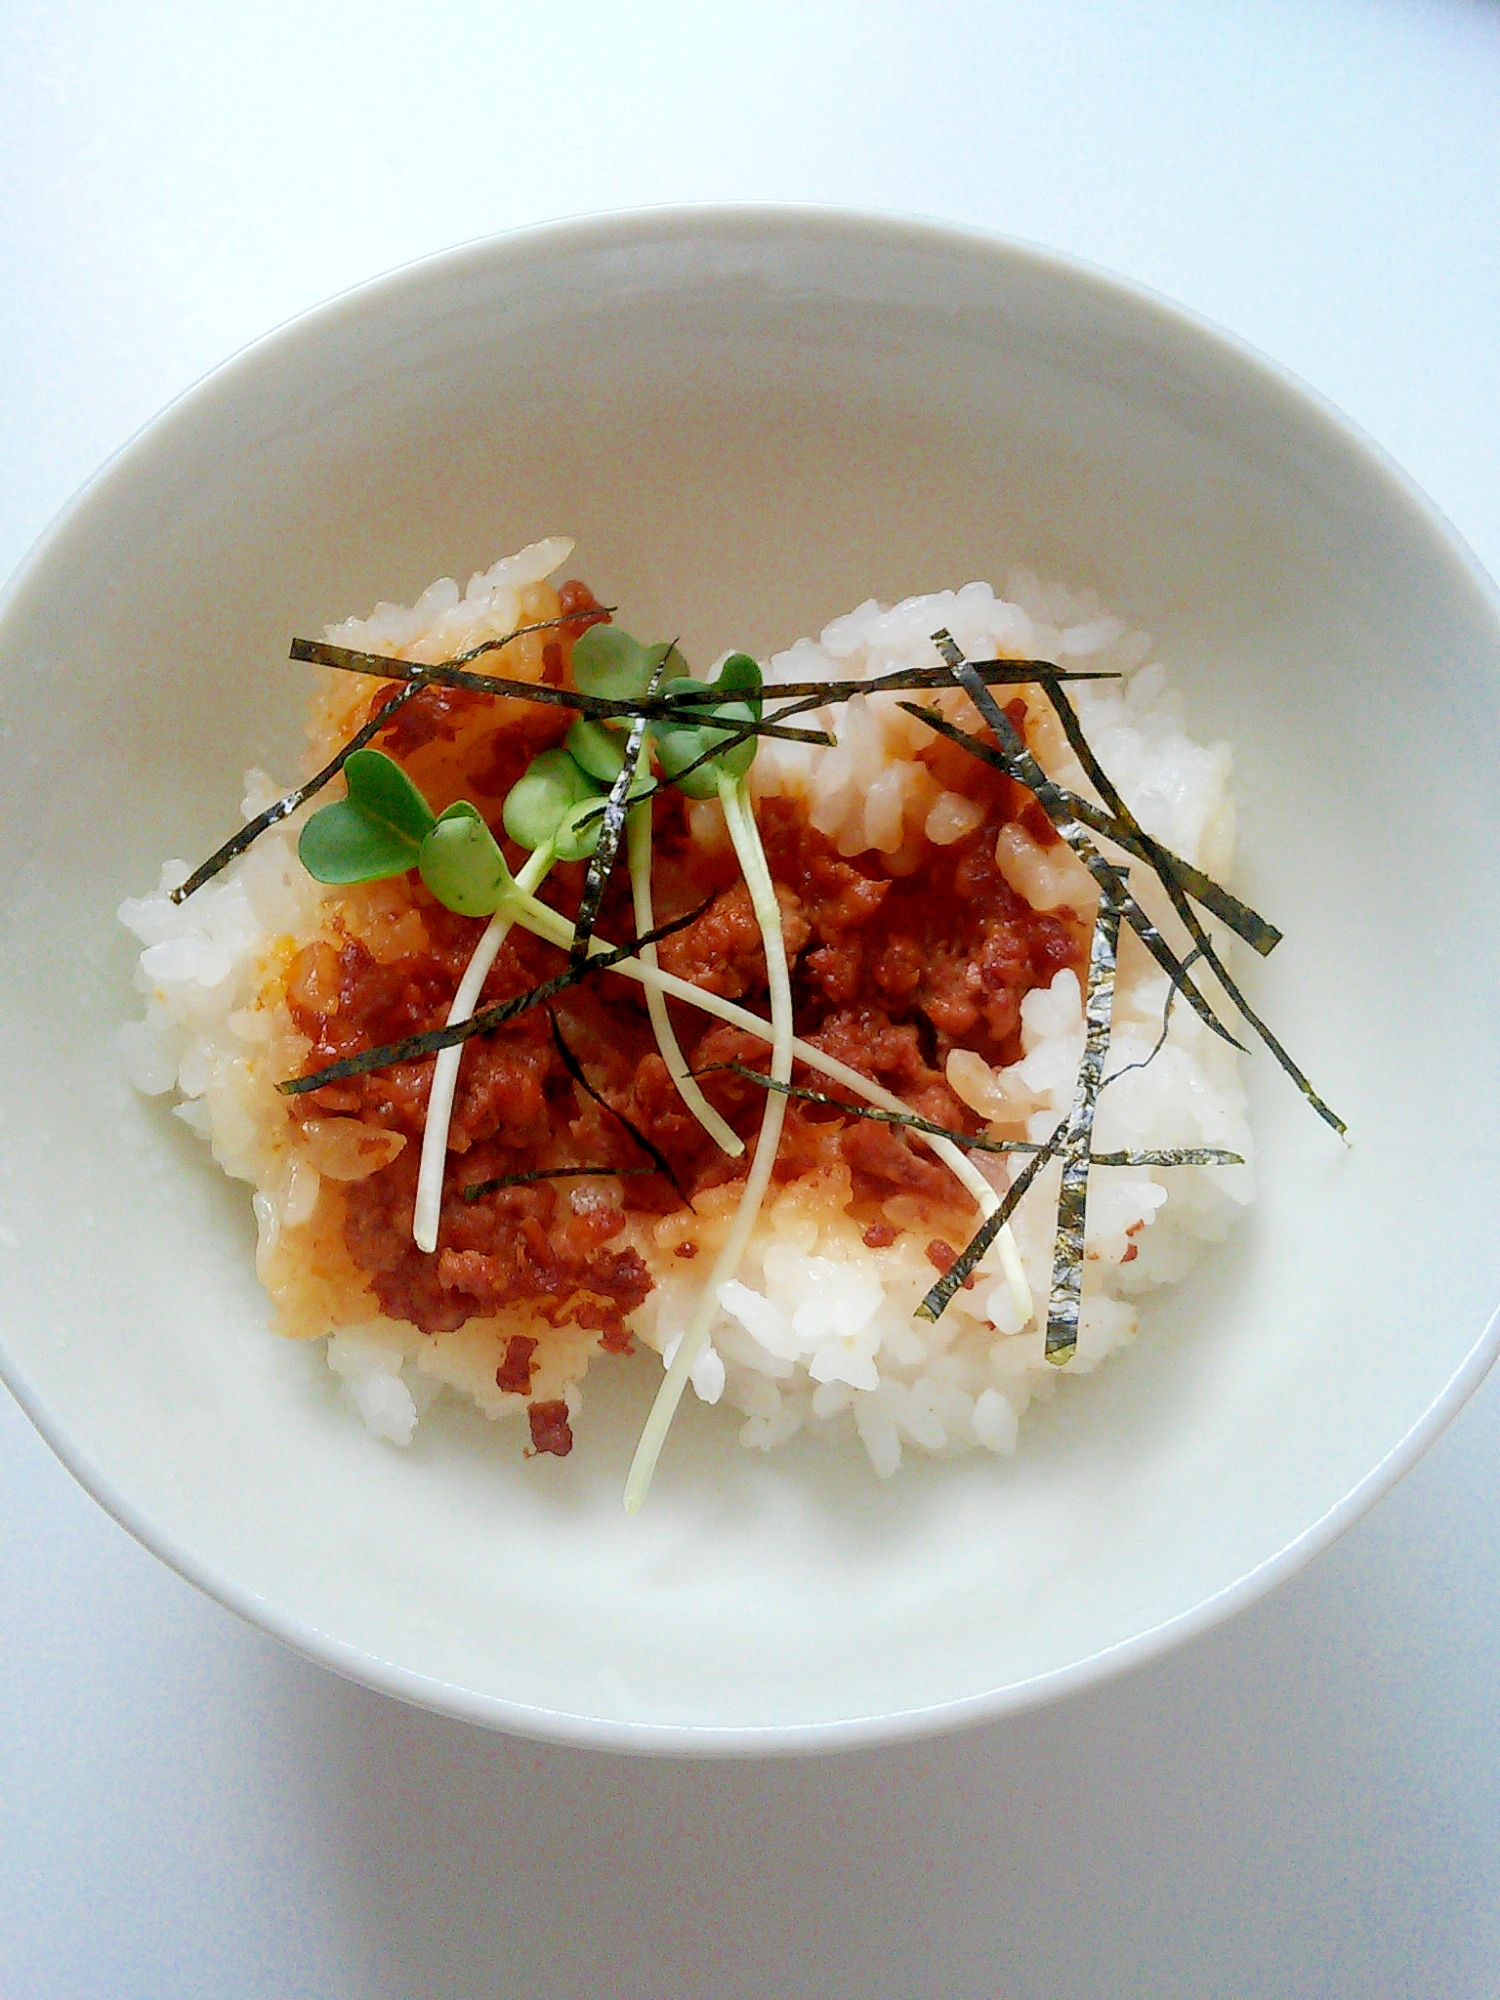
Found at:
<point>578,830</point>
<point>681,755</point>
<point>378,830</point>
<point>609,663</point>
<point>682,746</point>
<point>462,865</point>
<point>550,784</point>
<point>741,675</point>
<point>597,748</point>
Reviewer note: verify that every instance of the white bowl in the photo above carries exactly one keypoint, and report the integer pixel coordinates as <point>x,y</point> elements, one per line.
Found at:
<point>751,420</point>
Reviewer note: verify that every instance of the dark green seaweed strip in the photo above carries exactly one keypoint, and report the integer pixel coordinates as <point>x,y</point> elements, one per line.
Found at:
<point>1139,841</point>
<point>938,1299</point>
<point>1173,989</point>
<point>600,616</point>
<point>319,653</point>
<point>709,694</point>
<point>822,737</point>
<point>1169,1156</point>
<point>616,806</point>
<point>737,733</point>
<point>994,673</point>
<point>909,1119</point>
<point>1262,937</point>
<point>477,1188</point>
<point>1240,918</point>
<point>574,1067</point>
<point>817,694</point>
<point>597,812</point>
<point>670,708</point>
<point>1022,765</point>
<point>1072,1200</point>
<point>351,660</point>
<point>412,1047</point>
<point>799,697</point>
<point>734,734</point>
<point>1018,762</point>
<point>285,807</point>
<point>1158,859</point>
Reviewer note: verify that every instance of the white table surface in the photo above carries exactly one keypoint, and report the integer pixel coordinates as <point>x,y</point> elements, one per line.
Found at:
<point>1304,1804</point>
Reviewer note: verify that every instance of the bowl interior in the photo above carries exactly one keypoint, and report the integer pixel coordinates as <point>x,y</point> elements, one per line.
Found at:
<point>750,422</point>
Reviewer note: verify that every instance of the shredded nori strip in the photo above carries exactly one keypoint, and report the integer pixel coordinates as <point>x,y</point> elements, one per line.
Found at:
<point>735,734</point>
<point>1169,1156</point>
<point>819,694</point>
<point>994,673</point>
<point>1124,832</point>
<point>936,1303</point>
<point>1173,989</point>
<point>669,709</point>
<point>598,811</point>
<point>742,732</point>
<point>285,807</point>
<point>1071,1139</point>
<point>412,1047</point>
<point>1262,937</point>
<point>318,652</point>
<point>477,1188</point>
<point>616,806</point>
<point>600,615</point>
<point>823,738</point>
<point>1171,871</point>
<point>1155,854</point>
<point>1017,761</point>
<point>653,1152</point>
<point>1072,1200</point>
<point>978,1143</point>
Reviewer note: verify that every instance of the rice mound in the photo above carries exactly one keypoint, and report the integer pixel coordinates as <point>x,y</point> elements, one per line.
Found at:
<point>817,1331</point>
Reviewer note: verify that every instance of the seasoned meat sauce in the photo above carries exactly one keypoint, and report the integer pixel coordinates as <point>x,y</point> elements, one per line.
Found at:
<point>888,974</point>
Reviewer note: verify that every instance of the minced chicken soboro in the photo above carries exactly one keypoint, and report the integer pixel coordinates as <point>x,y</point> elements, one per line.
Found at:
<point>889,974</point>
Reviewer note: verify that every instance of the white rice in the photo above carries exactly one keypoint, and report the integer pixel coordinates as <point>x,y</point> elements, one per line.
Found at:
<point>817,1331</point>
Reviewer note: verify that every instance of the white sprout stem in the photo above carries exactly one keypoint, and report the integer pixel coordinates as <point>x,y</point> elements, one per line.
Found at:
<point>752,859</point>
<point>425,1217</point>
<point>638,849</point>
<point>555,929</point>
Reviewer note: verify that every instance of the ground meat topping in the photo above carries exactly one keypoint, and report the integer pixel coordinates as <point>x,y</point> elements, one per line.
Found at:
<point>942,1257</point>
<point>550,1429</point>
<point>723,951</point>
<point>514,1372</point>
<point>889,974</point>
<point>580,608</point>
